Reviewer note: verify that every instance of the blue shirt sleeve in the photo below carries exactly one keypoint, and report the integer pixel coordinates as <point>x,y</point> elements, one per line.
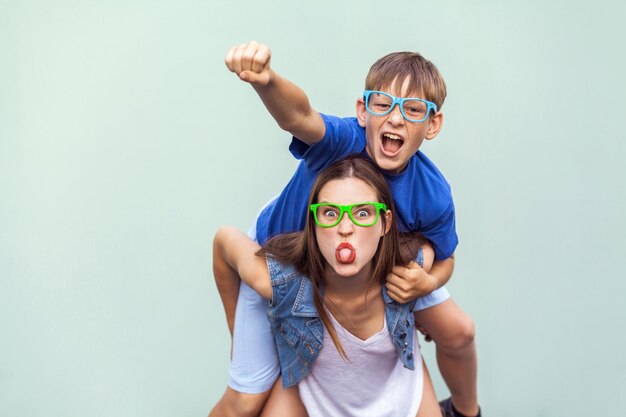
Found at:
<point>343,137</point>
<point>442,234</point>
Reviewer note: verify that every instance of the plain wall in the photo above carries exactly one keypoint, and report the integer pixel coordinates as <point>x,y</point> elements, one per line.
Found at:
<point>125,143</point>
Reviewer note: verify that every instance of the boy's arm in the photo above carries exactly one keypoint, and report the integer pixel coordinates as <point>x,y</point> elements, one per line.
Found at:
<point>406,283</point>
<point>285,101</point>
<point>234,257</point>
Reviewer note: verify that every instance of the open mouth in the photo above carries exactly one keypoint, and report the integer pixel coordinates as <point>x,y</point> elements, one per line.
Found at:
<point>391,144</point>
<point>345,253</point>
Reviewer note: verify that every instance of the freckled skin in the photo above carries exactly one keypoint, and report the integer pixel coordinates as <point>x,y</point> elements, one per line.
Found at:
<point>412,134</point>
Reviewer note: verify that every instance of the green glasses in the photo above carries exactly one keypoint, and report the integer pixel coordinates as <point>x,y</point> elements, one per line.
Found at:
<point>361,214</point>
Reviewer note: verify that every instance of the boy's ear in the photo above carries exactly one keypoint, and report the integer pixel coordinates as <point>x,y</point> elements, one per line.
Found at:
<point>360,111</point>
<point>434,125</point>
<point>388,218</point>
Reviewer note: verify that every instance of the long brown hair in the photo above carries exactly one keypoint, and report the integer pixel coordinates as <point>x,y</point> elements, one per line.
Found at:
<point>301,250</point>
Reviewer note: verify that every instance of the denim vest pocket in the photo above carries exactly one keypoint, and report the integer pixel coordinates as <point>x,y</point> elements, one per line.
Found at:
<point>298,347</point>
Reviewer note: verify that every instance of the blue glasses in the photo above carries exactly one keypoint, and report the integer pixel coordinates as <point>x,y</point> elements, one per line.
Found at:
<point>413,109</point>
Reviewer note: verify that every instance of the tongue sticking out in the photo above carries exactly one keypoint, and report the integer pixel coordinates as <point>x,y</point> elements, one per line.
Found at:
<point>345,253</point>
<point>391,145</point>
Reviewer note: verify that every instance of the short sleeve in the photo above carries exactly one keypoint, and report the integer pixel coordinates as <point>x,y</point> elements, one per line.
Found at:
<point>343,137</point>
<point>442,234</point>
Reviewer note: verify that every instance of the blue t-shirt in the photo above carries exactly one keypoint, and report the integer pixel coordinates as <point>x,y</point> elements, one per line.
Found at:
<point>422,195</point>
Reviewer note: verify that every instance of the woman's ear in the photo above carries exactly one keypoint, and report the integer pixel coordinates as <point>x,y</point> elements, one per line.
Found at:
<point>388,219</point>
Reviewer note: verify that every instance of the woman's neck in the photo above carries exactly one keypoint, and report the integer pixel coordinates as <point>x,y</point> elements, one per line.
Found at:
<point>353,287</point>
<point>355,302</point>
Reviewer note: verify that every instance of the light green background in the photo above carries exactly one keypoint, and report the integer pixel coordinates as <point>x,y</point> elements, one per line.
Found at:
<point>125,143</point>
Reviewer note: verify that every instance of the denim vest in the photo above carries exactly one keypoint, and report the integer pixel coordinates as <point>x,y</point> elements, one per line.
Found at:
<point>299,332</point>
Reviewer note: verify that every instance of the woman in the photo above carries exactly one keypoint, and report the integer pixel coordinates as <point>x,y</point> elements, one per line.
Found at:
<point>342,342</point>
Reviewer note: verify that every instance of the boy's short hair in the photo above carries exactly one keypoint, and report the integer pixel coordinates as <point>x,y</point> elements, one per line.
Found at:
<point>425,77</point>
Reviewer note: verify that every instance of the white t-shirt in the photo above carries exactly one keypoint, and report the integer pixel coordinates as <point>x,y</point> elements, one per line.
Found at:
<point>373,383</point>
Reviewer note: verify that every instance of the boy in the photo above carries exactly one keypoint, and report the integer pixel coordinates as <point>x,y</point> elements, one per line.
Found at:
<point>390,136</point>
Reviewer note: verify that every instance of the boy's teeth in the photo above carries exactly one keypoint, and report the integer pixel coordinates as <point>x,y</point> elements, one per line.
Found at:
<point>390,136</point>
<point>392,143</point>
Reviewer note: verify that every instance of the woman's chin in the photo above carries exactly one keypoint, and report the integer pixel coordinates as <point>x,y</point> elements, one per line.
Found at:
<point>346,270</point>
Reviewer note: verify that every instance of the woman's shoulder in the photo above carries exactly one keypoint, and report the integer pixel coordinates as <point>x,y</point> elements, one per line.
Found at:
<point>292,291</point>
<point>281,273</point>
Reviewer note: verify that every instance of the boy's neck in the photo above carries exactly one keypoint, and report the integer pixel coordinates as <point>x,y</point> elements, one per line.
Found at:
<point>382,170</point>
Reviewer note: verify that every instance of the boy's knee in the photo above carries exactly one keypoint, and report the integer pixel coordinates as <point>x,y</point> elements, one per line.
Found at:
<point>249,405</point>
<point>239,404</point>
<point>462,335</point>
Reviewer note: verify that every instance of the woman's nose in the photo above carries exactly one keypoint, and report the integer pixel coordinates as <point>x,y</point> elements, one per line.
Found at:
<point>345,225</point>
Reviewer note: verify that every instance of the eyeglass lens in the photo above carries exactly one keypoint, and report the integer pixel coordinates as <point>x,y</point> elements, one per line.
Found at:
<point>361,215</point>
<point>413,110</point>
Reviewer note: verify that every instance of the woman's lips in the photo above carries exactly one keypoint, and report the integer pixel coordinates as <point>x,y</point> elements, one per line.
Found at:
<point>345,253</point>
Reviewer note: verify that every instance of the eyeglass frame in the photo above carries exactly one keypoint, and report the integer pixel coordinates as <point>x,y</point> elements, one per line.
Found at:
<point>400,102</point>
<point>347,209</point>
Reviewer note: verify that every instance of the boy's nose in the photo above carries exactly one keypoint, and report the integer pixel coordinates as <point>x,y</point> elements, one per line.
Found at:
<point>395,116</point>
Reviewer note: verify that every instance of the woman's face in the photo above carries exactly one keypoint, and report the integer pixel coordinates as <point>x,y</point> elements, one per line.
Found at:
<point>347,248</point>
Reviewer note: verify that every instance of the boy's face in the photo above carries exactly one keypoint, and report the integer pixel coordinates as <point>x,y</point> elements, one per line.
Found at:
<point>391,139</point>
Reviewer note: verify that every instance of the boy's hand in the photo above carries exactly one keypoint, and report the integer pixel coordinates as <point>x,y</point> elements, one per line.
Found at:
<point>251,62</point>
<point>406,283</point>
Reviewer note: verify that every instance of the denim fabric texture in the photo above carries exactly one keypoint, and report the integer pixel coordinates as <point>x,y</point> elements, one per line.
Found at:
<point>299,332</point>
